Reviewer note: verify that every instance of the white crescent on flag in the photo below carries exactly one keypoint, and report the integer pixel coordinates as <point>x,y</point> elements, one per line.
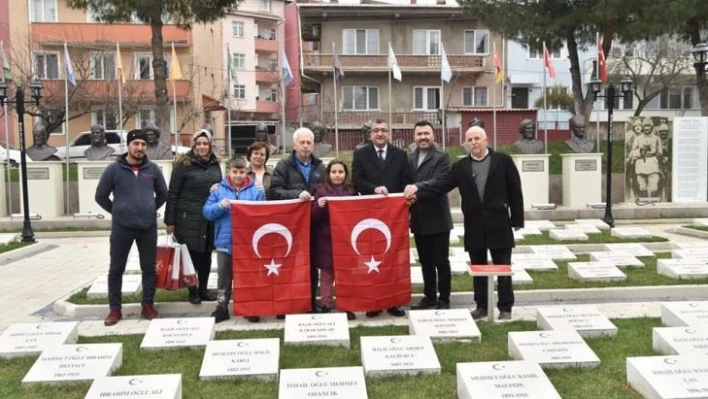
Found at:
<point>268,229</point>
<point>370,223</point>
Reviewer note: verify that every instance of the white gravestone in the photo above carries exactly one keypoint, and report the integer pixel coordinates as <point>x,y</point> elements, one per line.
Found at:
<point>414,255</point>
<point>680,340</point>
<point>533,262</point>
<point>329,329</point>
<point>668,377</point>
<point>213,283</point>
<point>690,253</point>
<point>518,236</point>
<point>530,231</point>
<point>691,244</point>
<point>458,266</point>
<point>633,249</point>
<point>700,222</point>
<point>585,228</point>
<point>630,232</point>
<point>619,259</point>
<point>682,269</point>
<point>595,271</point>
<point>193,332</point>
<point>241,359</point>
<point>28,339</point>
<point>75,363</point>
<point>398,355</point>
<point>520,276</point>
<point>154,386</point>
<point>441,325</point>
<point>688,314</point>
<point>505,379</point>
<point>552,349</point>
<point>132,285</point>
<point>599,223</point>
<point>416,275</point>
<point>567,235</point>
<point>539,224</point>
<point>454,238</point>
<point>555,252</point>
<point>339,382</point>
<point>585,319</point>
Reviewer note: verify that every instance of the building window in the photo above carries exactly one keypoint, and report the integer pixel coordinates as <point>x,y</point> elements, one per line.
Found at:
<point>272,64</point>
<point>43,10</point>
<point>676,98</point>
<point>426,42</point>
<point>240,92</point>
<point>46,65</point>
<point>102,66</point>
<point>143,66</point>
<point>426,98</point>
<point>237,29</point>
<point>109,120</point>
<point>536,53</point>
<point>360,98</point>
<point>476,42</point>
<point>361,41</point>
<point>474,97</point>
<point>146,115</point>
<point>555,96</point>
<point>266,5</point>
<point>239,61</point>
<point>623,50</point>
<point>272,95</point>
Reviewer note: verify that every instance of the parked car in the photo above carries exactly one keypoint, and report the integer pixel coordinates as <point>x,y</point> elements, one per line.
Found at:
<point>14,156</point>
<point>114,138</point>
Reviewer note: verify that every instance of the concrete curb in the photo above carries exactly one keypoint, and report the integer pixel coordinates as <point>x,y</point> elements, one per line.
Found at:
<point>24,252</point>
<point>73,234</point>
<point>523,298</point>
<point>691,232</point>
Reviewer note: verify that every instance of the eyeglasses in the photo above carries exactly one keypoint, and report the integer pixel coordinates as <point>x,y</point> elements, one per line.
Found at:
<point>380,130</point>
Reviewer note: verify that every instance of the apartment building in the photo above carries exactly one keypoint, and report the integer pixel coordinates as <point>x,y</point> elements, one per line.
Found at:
<point>360,33</point>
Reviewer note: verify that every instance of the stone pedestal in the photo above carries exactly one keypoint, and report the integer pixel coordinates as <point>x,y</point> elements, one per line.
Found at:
<point>582,179</point>
<point>533,169</point>
<point>45,185</point>
<point>89,173</point>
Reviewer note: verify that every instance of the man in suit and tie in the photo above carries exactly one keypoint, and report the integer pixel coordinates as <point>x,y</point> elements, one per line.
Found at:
<point>381,168</point>
<point>431,221</point>
<point>492,204</point>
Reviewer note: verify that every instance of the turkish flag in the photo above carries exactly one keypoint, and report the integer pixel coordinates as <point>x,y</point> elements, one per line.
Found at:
<point>547,61</point>
<point>601,62</point>
<point>370,248</point>
<point>271,257</point>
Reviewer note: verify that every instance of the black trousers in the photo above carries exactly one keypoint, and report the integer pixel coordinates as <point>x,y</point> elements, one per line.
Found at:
<point>121,240</point>
<point>500,256</point>
<point>433,253</point>
<point>202,264</point>
<point>314,278</point>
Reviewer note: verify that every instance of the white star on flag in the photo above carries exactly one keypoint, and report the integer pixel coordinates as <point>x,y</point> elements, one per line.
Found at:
<point>373,265</point>
<point>273,267</point>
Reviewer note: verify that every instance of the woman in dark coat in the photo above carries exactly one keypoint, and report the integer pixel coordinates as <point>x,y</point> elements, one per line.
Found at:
<point>193,175</point>
<point>337,184</point>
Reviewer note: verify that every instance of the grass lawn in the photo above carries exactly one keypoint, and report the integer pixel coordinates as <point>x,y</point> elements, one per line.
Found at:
<point>11,246</point>
<point>694,227</point>
<point>646,276</point>
<point>607,381</point>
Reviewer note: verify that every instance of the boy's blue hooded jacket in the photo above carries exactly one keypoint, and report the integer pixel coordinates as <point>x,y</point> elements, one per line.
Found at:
<point>222,217</point>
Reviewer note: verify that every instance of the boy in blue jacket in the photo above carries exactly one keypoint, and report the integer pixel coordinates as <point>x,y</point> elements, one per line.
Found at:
<point>235,186</point>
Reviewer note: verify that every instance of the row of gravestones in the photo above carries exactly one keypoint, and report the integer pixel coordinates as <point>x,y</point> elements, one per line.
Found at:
<point>682,373</point>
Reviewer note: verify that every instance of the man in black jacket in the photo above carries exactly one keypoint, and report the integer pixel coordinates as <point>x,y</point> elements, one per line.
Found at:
<point>431,221</point>
<point>492,204</point>
<point>138,189</point>
<point>381,168</point>
<point>297,176</point>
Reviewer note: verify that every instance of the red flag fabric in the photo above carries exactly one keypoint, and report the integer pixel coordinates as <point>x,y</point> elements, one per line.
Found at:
<point>271,257</point>
<point>601,62</point>
<point>549,64</point>
<point>370,248</point>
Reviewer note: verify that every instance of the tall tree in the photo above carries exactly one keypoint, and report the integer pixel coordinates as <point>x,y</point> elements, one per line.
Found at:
<point>184,13</point>
<point>574,23</point>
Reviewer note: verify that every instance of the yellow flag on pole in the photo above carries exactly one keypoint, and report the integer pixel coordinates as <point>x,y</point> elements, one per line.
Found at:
<point>119,64</point>
<point>175,70</point>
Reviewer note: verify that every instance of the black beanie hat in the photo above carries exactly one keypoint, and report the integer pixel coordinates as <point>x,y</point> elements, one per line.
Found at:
<point>136,134</point>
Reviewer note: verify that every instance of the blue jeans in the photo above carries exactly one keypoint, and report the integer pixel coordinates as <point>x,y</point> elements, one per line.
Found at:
<point>121,240</point>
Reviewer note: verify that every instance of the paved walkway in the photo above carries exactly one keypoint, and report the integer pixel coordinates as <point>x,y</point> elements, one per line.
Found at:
<point>29,287</point>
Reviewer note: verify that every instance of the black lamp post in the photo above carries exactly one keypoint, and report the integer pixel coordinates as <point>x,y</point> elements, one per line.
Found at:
<point>700,56</point>
<point>36,89</point>
<point>610,95</point>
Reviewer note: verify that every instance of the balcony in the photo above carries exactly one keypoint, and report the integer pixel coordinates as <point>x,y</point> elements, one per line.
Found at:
<point>267,76</point>
<point>108,89</point>
<point>411,63</point>
<point>357,118</point>
<point>128,35</point>
<point>268,107</point>
<point>267,46</point>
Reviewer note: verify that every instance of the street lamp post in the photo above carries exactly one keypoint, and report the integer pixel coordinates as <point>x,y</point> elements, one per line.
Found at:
<point>610,95</point>
<point>36,89</point>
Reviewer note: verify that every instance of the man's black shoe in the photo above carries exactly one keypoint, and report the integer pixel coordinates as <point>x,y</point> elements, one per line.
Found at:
<point>220,314</point>
<point>396,311</point>
<point>425,303</point>
<point>479,313</point>
<point>442,305</point>
<point>373,313</point>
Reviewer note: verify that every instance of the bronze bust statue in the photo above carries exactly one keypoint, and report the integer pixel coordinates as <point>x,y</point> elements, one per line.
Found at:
<point>321,147</point>
<point>366,132</point>
<point>156,149</point>
<point>528,143</point>
<point>262,135</point>
<point>578,143</point>
<point>40,150</point>
<point>98,150</point>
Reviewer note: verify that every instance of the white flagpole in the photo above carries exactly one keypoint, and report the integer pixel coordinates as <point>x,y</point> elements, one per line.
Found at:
<point>545,108</point>
<point>442,106</point>
<point>6,116</point>
<point>66,127</point>
<point>336,100</point>
<point>228,106</point>
<point>120,112</point>
<point>594,105</point>
<point>390,98</point>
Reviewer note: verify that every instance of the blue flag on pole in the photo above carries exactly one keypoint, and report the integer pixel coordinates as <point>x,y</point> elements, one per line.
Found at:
<point>67,67</point>
<point>285,66</point>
